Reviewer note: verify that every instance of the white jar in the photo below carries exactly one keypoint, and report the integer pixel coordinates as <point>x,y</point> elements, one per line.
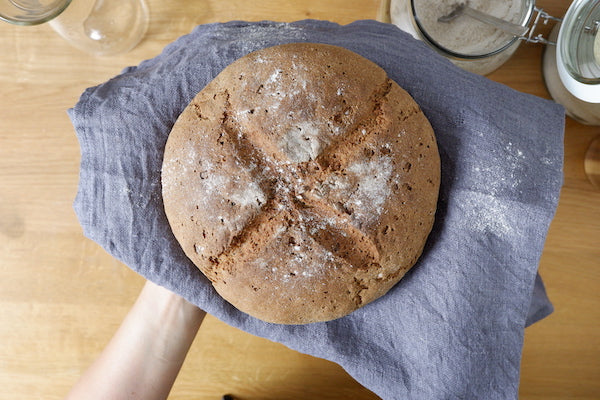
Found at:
<point>572,67</point>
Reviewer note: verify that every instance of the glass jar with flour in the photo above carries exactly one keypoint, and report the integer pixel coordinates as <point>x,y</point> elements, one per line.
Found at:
<point>468,42</point>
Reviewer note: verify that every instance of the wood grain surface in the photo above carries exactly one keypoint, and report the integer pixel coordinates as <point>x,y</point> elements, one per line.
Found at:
<point>62,296</point>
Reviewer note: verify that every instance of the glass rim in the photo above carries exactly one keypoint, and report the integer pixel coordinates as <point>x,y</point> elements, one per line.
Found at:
<point>457,55</point>
<point>37,21</point>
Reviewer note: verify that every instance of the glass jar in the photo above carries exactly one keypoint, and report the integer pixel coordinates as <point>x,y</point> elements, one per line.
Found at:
<point>99,27</point>
<point>31,12</point>
<point>467,42</point>
<point>103,27</point>
<point>572,68</point>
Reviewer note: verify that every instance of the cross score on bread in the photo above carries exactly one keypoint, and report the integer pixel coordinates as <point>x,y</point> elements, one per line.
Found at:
<point>302,181</point>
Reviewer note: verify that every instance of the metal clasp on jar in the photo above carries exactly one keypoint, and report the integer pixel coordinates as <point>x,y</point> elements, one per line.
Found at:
<point>543,17</point>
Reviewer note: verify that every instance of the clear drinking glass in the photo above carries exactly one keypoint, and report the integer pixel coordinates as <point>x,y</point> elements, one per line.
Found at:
<point>31,12</point>
<point>100,27</point>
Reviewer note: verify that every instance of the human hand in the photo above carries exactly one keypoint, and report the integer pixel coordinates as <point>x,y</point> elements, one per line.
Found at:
<point>144,357</point>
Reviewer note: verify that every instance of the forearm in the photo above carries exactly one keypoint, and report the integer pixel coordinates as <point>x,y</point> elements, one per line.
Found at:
<point>144,357</point>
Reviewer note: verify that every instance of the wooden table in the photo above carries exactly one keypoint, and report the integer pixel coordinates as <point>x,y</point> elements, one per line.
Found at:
<point>62,297</point>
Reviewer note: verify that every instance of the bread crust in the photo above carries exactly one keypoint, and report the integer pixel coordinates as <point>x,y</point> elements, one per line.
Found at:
<point>302,182</point>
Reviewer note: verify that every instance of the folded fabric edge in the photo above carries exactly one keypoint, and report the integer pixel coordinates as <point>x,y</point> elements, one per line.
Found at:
<point>540,306</point>
<point>78,115</point>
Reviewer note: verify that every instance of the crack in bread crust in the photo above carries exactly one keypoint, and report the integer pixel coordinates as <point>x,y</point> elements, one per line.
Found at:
<point>359,252</point>
<point>361,133</point>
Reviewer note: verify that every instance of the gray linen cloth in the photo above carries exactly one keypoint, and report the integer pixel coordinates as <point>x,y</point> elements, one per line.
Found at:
<point>453,327</point>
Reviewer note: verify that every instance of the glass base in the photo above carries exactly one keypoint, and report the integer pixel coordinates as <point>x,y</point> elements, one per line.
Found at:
<point>103,27</point>
<point>31,12</point>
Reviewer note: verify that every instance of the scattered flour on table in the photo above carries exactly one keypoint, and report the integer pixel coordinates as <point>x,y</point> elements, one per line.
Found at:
<point>489,215</point>
<point>503,172</point>
<point>489,212</point>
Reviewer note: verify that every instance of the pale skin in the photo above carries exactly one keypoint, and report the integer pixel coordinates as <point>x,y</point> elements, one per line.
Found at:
<point>146,353</point>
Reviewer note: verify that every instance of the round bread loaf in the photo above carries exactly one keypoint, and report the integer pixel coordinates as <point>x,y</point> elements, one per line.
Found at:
<point>302,181</point>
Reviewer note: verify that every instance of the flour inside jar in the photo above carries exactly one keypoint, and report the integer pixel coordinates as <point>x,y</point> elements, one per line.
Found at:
<point>466,35</point>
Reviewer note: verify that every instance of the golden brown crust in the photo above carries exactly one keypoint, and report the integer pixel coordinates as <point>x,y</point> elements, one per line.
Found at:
<point>302,181</point>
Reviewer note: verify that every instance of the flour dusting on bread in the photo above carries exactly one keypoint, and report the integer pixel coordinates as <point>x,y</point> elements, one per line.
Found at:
<point>302,182</point>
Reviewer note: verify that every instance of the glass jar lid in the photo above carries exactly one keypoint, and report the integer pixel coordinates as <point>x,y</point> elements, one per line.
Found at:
<point>466,37</point>
<point>578,50</point>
